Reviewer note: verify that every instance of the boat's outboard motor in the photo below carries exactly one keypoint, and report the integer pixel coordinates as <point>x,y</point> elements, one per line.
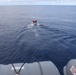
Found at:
<point>70,68</point>
<point>37,68</point>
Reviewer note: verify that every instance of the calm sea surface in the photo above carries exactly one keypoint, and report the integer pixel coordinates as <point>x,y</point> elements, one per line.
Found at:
<point>54,39</point>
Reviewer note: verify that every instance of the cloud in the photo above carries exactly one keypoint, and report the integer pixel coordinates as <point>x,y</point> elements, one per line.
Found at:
<point>38,2</point>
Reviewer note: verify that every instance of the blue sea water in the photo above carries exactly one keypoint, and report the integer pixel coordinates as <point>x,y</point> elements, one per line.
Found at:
<point>53,40</point>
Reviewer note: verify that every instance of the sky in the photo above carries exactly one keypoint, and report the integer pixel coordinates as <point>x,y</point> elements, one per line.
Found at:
<point>37,2</point>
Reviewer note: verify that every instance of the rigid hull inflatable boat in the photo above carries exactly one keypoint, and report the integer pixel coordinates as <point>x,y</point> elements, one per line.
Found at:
<point>35,23</point>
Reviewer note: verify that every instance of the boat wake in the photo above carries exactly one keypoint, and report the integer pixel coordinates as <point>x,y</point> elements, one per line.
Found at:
<point>29,32</point>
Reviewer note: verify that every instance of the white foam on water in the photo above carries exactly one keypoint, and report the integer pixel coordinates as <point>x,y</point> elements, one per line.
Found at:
<point>36,33</point>
<point>32,25</point>
<point>34,28</point>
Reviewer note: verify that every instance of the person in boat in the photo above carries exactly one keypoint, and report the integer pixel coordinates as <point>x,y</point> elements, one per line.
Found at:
<point>34,22</point>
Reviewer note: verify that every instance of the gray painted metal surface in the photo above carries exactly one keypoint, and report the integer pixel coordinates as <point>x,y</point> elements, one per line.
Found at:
<point>37,68</point>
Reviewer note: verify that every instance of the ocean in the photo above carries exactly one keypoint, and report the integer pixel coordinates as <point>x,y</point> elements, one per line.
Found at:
<point>54,39</point>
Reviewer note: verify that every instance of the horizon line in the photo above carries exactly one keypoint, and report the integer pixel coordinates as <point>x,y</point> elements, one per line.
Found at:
<point>41,4</point>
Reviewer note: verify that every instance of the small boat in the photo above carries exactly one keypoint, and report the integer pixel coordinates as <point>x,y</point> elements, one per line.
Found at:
<point>34,22</point>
